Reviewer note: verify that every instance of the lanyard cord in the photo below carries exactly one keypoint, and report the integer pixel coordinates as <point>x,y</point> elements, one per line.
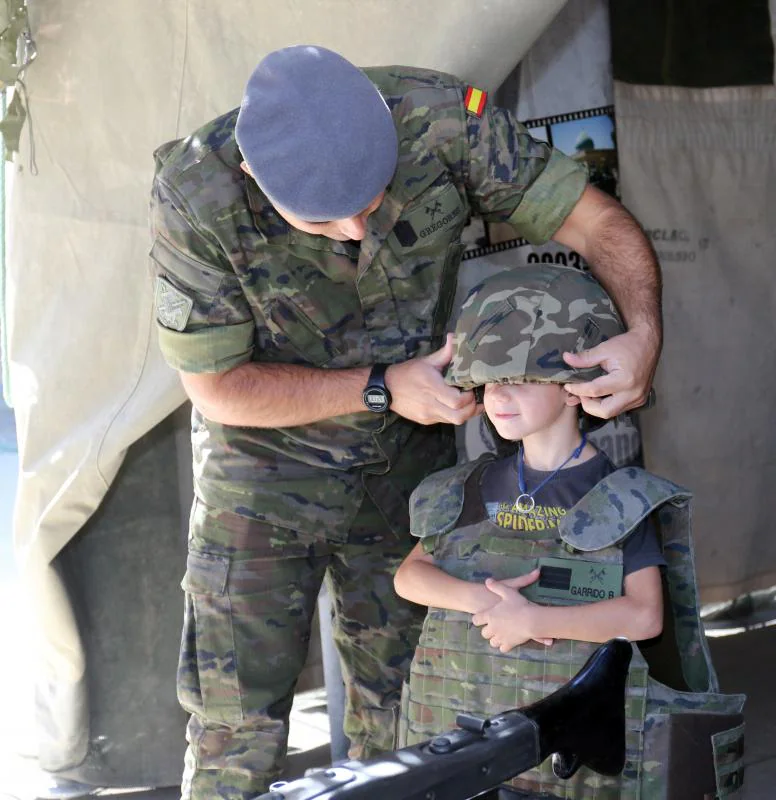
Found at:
<point>521,504</point>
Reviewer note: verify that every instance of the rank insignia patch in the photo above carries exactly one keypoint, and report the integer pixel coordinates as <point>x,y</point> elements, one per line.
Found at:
<point>474,101</point>
<point>173,307</point>
<point>405,234</point>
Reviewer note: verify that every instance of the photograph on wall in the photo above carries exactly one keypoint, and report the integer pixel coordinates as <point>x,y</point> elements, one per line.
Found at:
<point>588,137</point>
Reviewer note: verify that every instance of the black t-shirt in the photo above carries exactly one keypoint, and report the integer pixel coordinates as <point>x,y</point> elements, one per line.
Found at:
<point>499,489</point>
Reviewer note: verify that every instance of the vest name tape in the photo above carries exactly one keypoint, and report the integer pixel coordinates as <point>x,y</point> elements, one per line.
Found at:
<point>574,581</point>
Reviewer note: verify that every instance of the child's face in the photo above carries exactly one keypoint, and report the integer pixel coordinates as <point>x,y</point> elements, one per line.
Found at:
<point>520,409</point>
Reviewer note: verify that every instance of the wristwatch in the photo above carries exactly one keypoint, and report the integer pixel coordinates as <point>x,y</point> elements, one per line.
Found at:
<point>376,396</point>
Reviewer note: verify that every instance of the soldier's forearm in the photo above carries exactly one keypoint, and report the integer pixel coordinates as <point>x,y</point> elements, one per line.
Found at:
<point>624,262</point>
<point>276,395</point>
<point>620,256</point>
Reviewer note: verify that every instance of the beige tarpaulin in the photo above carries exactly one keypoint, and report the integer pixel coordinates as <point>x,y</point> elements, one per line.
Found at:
<point>111,82</point>
<point>698,169</point>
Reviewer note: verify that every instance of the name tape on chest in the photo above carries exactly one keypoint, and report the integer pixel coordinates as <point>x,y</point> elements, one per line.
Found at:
<point>573,581</point>
<point>430,217</point>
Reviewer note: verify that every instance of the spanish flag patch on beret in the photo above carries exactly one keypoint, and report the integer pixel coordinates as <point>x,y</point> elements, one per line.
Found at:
<point>474,101</point>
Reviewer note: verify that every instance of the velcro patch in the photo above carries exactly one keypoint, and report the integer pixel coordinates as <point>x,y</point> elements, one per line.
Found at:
<point>431,216</point>
<point>574,580</point>
<point>173,307</point>
<point>474,101</point>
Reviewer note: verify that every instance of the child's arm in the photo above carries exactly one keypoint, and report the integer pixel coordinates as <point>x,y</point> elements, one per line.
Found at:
<point>418,579</point>
<point>637,615</point>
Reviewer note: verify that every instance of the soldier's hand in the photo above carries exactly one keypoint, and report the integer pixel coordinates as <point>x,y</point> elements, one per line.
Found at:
<point>629,360</point>
<point>420,393</point>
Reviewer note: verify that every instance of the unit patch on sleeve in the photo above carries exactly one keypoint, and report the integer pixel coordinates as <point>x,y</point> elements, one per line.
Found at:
<point>173,307</point>
<point>474,101</point>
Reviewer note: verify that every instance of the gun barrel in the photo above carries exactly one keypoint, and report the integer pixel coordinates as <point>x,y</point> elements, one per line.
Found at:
<point>581,723</point>
<point>452,766</point>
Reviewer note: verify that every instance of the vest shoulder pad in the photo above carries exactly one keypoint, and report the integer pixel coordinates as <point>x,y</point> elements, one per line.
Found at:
<point>437,501</point>
<point>615,506</point>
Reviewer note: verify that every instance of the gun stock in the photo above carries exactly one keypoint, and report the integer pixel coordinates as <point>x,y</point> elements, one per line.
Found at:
<point>583,723</point>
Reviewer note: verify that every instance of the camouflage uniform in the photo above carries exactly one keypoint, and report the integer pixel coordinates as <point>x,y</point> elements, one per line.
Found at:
<point>276,508</point>
<point>514,328</point>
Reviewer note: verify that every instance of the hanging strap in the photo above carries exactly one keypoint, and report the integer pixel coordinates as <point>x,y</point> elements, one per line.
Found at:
<point>17,48</point>
<point>17,52</point>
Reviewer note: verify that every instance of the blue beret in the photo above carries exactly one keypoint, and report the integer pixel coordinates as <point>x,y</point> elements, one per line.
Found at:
<point>316,133</point>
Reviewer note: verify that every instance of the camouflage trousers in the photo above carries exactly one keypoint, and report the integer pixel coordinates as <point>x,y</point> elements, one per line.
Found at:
<point>251,589</point>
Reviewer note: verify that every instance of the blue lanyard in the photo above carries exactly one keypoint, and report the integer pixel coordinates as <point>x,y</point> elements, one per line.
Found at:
<point>521,504</point>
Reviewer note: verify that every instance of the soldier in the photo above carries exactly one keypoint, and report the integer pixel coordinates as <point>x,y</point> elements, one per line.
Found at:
<point>548,549</point>
<point>306,248</point>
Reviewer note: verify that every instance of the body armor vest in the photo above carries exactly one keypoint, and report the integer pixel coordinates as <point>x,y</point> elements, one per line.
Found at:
<point>678,725</point>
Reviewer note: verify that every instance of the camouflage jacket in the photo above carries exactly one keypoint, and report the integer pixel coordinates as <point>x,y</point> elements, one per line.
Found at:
<point>235,283</point>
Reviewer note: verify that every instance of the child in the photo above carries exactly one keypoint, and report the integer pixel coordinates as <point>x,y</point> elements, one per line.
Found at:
<point>517,593</point>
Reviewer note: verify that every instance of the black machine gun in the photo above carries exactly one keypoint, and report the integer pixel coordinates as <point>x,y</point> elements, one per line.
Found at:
<point>581,724</point>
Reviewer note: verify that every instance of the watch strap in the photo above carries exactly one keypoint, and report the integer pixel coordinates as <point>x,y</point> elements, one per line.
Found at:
<point>377,398</point>
<point>377,376</point>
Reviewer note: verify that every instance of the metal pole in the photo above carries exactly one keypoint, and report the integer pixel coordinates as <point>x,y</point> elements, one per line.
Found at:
<point>332,677</point>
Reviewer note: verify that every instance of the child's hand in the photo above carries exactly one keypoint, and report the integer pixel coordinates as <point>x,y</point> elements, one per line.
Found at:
<point>482,599</point>
<point>506,624</point>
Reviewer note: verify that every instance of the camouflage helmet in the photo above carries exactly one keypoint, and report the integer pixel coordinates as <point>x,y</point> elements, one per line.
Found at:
<point>515,326</point>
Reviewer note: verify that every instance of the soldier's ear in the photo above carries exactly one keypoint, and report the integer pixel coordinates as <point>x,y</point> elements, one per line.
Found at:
<point>245,168</point>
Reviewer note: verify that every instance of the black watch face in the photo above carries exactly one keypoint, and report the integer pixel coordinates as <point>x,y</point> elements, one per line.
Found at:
<point>376,399</point>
